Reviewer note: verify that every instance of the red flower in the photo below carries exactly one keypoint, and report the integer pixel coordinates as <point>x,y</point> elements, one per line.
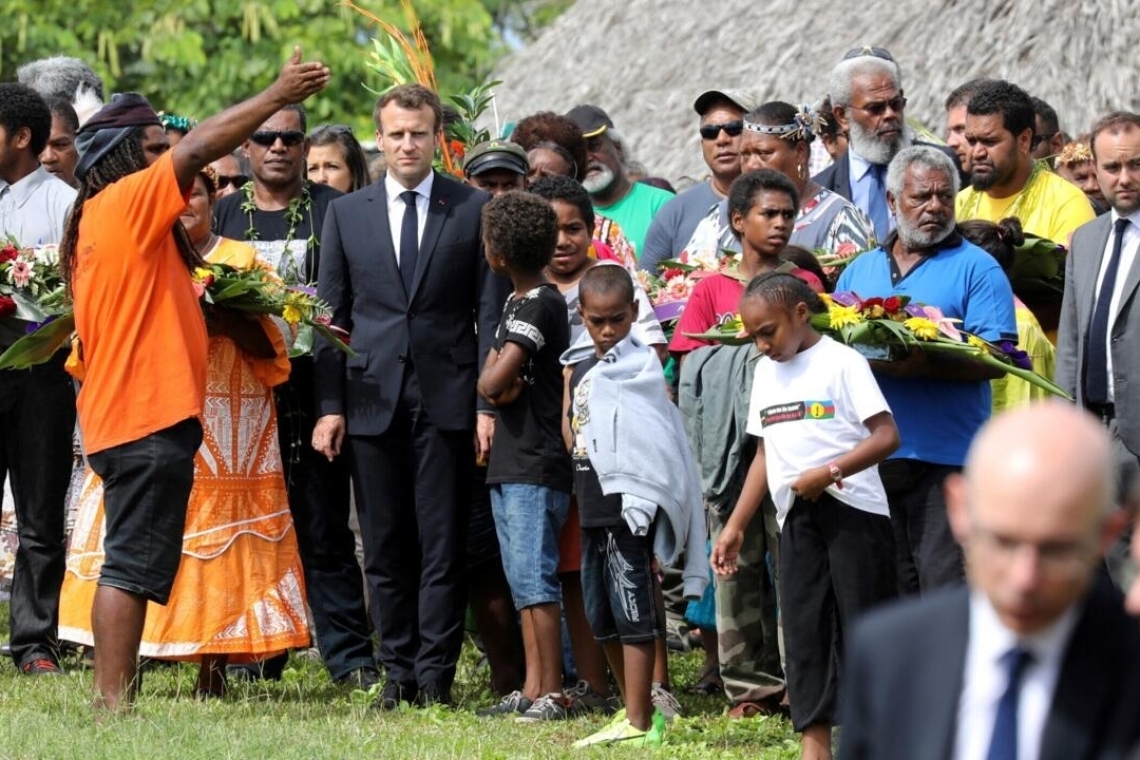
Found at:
<point>8,253</point>
<point>669,274</point>
<point>7,305</point>
<point>873,301</point>
<point>458,150</point>
<point>892,305</point>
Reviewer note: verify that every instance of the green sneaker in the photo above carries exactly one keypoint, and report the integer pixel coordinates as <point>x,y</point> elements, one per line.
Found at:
<point>623,732</point>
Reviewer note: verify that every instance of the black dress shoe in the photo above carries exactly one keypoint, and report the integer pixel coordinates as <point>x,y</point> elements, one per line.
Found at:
<point>433,694</point>
<point>360,678</point>
<point>393,694</point>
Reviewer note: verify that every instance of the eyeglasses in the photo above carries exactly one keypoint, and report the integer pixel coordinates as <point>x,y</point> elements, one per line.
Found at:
<point>291,138</point>
<point>771,213</point>
<point>874,52</point>
<point>878,108</point>
<point>731,128</point>
<point>1055,557</point>
<point>237,180</point>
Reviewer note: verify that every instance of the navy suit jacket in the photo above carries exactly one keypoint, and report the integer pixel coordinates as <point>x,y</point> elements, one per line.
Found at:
<point>837,177</point>
<point>905,666</point>
<point>434,326</point>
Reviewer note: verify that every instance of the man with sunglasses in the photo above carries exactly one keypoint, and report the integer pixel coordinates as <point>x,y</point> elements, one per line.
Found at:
<point>231,174</point>
<point>281,214</point>
<point>721,115</point>
<point>631,204</point>
<point>868,102</point>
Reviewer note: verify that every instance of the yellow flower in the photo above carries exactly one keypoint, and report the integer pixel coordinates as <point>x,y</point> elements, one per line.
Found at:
<point>842,316</point>
<point>827,300</point>
<point>975,341</point>
<point>201,273</point>
<point>923,328</point>
<point>876,312</point>
<point>291,314</point>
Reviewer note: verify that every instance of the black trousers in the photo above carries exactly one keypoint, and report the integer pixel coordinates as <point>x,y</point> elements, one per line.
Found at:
<point>37,419</point>
<point>928,556</point>
<point>412,491</point>
<point>318,500</point>
<point>836,562</point>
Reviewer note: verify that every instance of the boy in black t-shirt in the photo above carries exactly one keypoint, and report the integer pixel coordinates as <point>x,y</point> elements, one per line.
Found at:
<point>617,573</point>
<point>529,472</point>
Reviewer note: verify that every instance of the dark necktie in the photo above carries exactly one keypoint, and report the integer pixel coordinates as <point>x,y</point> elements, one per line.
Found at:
<point>1096,363</point>
<point>877,202</point>
<point>1003,742</point>
<point>409,240</point>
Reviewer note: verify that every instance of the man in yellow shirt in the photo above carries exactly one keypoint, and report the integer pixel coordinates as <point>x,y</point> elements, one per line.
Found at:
<point>1005,180</point>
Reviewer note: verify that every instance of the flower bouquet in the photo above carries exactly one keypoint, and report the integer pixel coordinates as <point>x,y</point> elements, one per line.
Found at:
<point>31,286</point>
<point>670,290</point>
<point>889,328</point>
<point>253,291</point>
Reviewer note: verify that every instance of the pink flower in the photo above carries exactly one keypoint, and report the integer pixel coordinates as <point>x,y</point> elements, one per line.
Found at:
<point>945,324</point>
<point>21,273</point>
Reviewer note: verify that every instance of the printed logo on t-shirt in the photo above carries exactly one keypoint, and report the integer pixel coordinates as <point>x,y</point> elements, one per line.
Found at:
<point>796,411</point>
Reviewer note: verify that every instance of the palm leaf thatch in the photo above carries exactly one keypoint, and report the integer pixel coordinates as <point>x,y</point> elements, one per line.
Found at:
<point>645,61</point>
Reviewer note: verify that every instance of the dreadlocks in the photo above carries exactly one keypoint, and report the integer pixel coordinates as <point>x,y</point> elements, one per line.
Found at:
<point>125,158</point>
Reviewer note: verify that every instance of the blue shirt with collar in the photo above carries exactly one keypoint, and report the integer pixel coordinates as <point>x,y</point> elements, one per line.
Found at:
<point>937,419</point>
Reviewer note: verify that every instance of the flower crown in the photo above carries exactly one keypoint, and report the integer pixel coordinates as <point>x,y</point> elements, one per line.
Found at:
<point>806,124</point>
<point>1074,153</point>
<point>174,121</point>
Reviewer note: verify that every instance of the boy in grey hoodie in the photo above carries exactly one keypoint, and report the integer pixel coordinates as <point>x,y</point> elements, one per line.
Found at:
<point>617,419</point>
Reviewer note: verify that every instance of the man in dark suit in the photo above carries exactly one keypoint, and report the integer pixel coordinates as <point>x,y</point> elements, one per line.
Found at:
<point>868,102</point>
<point>1098,339</point>
<point>403,269</point>
<point>1036,658</point>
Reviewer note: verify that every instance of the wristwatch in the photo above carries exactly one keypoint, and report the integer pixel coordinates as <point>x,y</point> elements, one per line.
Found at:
<point>836,474</point>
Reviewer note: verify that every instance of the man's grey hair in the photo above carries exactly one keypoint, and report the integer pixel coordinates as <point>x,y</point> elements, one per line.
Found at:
<point>61,77</point>
<point>920,155</point>
<point>839,87</point>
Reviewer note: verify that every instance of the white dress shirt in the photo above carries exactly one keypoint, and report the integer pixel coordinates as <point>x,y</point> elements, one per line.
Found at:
<point>396,208</point>
<point>1127,259</point>
<point>34,208</point>
<point>985,680</point>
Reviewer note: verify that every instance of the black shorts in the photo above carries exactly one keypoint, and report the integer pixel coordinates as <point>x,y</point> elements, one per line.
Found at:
<point>482,540</point>
<point>618,585</point>
<point>146,487</point>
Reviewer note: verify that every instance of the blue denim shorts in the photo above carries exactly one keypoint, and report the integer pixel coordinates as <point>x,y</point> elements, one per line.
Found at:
<point>618,586</point>
<point>146,487</point>
<point>528,520</point>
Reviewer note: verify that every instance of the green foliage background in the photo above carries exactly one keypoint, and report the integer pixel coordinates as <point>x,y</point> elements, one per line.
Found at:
<point>196,57</point>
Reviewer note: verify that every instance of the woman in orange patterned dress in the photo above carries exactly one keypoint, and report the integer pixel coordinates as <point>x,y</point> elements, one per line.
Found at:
<point>239,592</point>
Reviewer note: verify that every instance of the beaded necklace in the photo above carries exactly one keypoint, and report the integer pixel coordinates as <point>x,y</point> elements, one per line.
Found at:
<point>294,215</point>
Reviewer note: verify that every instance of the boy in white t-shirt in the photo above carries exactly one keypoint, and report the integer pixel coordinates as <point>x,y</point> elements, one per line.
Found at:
<point>823,426</point>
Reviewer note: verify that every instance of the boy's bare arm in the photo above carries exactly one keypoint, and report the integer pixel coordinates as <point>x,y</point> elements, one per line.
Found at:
<point>567,433</point>
<point>726,550</point>
<point>500,383</point>
<point>880,444</point>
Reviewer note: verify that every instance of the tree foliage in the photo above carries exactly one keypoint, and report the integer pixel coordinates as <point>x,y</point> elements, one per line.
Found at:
<point>196,57</point>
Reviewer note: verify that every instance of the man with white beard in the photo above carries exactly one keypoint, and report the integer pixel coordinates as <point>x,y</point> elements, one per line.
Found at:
<point>868,102</point>
<point>631,204</point>
<point>939,404</point>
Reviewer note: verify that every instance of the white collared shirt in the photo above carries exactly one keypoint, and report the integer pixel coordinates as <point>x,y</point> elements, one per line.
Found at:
<point>1127,259</point>
<point>396,208</point>
<point>34,209</point>
<point>985,680</point>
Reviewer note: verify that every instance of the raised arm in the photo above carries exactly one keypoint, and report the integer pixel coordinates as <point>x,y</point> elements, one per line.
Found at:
<point>222,133</point>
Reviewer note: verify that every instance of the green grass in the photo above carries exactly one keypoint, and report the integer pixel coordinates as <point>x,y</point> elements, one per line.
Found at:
<point>307,716</point>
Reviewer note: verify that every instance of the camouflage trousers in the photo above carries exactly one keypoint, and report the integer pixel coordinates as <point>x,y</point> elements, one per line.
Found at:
<point>746,612</point>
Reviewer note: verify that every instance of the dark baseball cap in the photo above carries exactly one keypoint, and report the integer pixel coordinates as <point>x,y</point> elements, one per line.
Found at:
<point>739,98</point>
<point>495,154</point>
<point>592,120</point>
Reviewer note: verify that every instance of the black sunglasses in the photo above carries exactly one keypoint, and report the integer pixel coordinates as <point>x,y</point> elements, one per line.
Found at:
<point>867,50</point>
<point>291,138</point>
<point>237,180</point>
<point>896,104</point>
<point>732,128</point>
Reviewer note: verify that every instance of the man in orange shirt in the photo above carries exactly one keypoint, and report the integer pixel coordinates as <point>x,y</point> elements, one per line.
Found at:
<point>143,342</point>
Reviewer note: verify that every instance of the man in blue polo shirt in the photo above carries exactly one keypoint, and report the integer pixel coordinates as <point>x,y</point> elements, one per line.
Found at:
<point>939,403</point>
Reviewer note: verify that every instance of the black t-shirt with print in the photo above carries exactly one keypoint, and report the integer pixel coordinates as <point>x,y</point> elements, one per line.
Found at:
<point>272,229</point>
<point>595,509</point>
<point>528,445</point>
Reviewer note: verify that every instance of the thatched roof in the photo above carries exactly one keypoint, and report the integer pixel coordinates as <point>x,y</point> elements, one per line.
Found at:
<point>645,61</point>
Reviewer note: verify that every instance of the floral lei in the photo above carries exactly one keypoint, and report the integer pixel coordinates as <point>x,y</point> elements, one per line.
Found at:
<point>294,215</point>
